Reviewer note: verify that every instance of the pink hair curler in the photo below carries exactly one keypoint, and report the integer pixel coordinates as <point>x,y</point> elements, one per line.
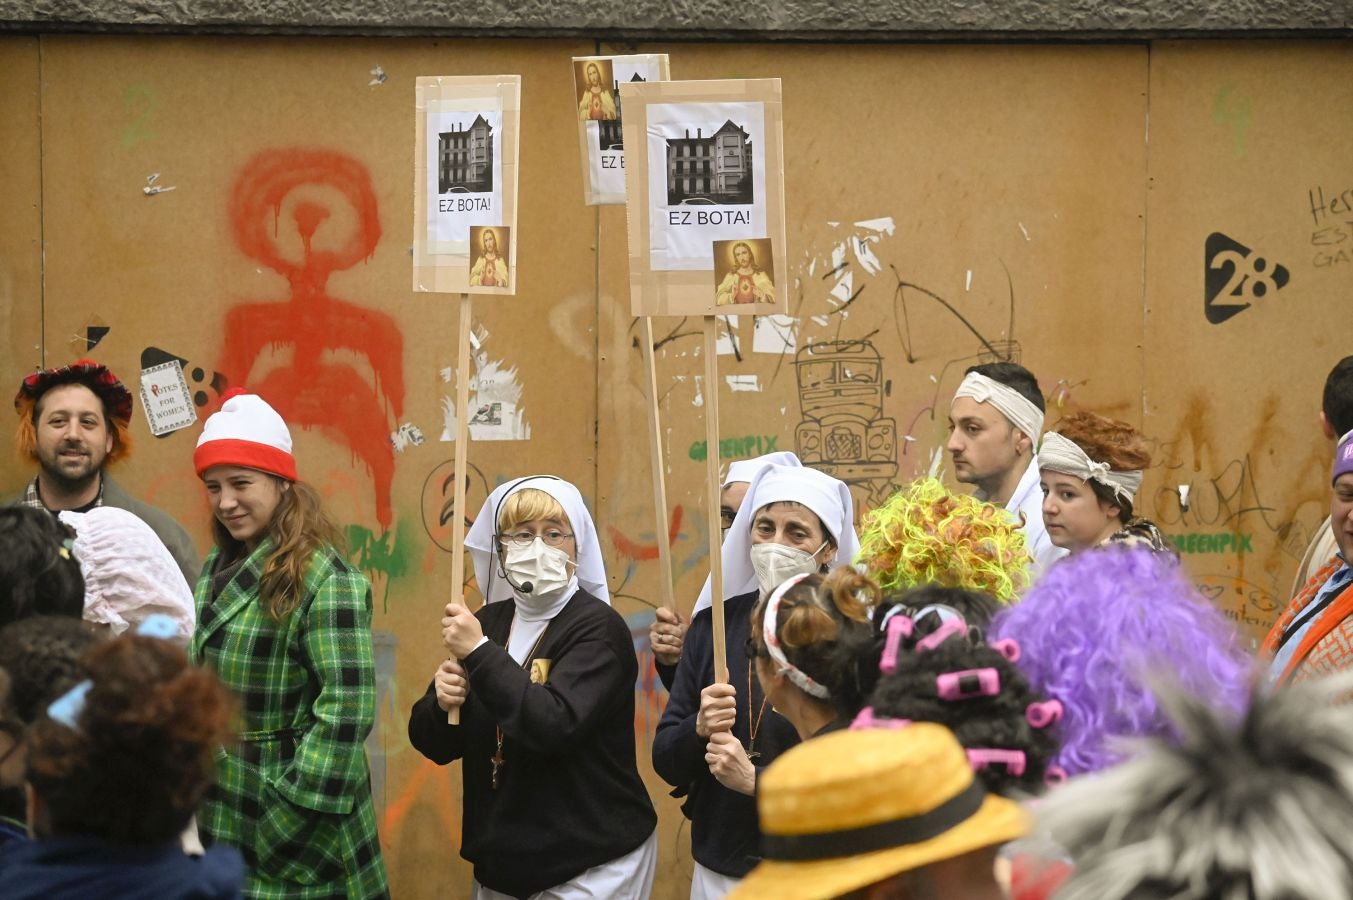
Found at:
<point>968,683</point>
<point>865,719</point>
<point>899,627</point>
<point>1054,775</point>
<point>1013,760</point>
<point>1041,715</point>
<point>1007,647</point>
<point>941,634</point>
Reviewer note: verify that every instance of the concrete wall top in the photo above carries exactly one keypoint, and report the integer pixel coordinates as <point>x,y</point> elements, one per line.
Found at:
<point>816,20</point>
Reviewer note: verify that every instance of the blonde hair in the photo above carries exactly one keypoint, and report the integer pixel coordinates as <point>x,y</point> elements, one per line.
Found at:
<point>528,505</point>
<point>298,530</point>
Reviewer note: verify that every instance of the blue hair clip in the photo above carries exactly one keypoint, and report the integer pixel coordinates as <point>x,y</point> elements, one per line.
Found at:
<point>158,626</point>
<point>67,708</point>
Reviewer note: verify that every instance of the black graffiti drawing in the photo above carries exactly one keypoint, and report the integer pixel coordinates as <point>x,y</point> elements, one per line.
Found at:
<point>843,431</point>
<point>1235,276</point>
<point>712,169</point>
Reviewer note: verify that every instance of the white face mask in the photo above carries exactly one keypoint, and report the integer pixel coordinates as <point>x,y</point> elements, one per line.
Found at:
<point>775,563</point>
<point>545,568</point>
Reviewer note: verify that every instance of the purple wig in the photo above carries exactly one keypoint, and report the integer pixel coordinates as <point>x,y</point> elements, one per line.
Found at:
<point>1102,630</point>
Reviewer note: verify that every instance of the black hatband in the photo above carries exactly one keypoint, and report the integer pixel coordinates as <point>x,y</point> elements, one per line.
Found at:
<point>879,836</point>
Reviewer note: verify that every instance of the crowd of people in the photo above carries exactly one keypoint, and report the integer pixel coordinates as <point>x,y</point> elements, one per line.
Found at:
<point>1014,693</point>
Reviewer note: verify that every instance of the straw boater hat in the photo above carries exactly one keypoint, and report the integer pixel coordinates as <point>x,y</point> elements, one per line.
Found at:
<point>852,808</point>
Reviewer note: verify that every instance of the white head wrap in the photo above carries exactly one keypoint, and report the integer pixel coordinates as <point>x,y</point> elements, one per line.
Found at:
<point>129,573</point>
<point>824,495</point>
<point>1057,454</point>
<point>1023,414</point>
<point>591,572</point>
<point>745,469</point>
<point>799,678</point>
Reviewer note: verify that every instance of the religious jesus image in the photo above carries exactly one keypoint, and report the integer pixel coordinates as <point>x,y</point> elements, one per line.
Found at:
<point>489,248</point>
<point>595,83</point>
<point>742,272</point>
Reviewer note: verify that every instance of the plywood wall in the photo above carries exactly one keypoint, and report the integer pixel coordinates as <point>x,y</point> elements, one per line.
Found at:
<point>947,205</point>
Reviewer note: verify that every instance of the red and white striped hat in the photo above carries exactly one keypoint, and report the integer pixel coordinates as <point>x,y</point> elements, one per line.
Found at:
<point>246,432</point>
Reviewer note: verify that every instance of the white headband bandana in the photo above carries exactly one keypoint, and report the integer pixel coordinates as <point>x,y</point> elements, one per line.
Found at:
<point>1061,455</point>
<point>797,676</point>
<point>1011,403</point>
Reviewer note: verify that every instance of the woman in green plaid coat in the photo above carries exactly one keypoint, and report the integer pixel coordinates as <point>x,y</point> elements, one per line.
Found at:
<point>285,623</point>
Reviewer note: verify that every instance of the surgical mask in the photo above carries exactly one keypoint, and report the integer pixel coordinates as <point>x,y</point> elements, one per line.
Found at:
<point>545,568</point>
<point>775,563</point>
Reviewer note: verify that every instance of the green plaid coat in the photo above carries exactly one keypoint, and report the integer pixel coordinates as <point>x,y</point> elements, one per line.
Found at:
<point>295,795</point>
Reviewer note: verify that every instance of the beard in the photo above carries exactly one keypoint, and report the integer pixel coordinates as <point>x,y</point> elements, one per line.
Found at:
<point>71,473</point>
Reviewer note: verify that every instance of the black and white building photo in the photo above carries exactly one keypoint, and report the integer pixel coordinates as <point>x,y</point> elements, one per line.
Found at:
<point>465,159</point>
<point>710,169</point>
<point>610,134</point>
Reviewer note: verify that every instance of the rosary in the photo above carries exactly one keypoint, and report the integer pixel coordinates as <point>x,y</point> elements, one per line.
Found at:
<point>497,758</point>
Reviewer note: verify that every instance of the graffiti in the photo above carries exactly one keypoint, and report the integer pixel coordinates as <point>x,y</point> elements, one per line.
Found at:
<point>1334,243</point>
<point>843,431</point>
<point>1231,110</point>
<point>140,102</point>
<point>1221,502</point>
<point>383,558</point>
<point>311,390</point>
<point>633,550</point>
<point>1234,270</point>
<point>992,351</point>
<point>736,447</point>
<point>439,498</point>
<point>1221,542</point>
<point>1243,602</point>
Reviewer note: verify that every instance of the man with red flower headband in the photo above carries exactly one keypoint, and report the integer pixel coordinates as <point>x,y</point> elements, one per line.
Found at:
<point>73,422</point>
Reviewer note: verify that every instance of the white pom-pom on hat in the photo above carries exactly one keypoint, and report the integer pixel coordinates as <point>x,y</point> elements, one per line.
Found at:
<point>246,432</point>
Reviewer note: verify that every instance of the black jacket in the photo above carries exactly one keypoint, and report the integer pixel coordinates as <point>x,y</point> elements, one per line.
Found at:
<point>724,832</point>
<point>569,795</point>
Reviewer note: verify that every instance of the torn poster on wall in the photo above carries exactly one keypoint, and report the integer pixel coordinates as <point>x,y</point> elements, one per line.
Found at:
<point>496,413</point>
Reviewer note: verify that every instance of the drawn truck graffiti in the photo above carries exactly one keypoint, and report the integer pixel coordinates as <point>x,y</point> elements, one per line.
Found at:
<point>843,431</point>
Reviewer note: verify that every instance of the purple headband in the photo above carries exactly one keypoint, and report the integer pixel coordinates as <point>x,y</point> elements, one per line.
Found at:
<point>1343,457</point>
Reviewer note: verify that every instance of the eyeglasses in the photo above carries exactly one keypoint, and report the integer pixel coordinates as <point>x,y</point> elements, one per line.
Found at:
<point>552,537</point>
<point>751,648</point>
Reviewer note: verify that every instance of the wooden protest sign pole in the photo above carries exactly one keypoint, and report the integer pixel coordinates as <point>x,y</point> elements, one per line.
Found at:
<point>465,220</point>
<point>462,460</point>
<point>711,394</point>
<point>704,190</point>
<point>659,470</point>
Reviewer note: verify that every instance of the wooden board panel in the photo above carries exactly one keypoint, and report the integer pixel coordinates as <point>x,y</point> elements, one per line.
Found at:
<point>946,205</point>
<point>1245,141</point>
<point>20,231</point>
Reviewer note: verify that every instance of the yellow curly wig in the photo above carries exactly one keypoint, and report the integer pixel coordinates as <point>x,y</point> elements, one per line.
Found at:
<point>925,534</point>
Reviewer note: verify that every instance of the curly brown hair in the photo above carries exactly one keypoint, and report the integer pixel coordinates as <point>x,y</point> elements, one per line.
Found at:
<point>140,757</point>
<point>1108,441</point>
<point>814,616</point>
